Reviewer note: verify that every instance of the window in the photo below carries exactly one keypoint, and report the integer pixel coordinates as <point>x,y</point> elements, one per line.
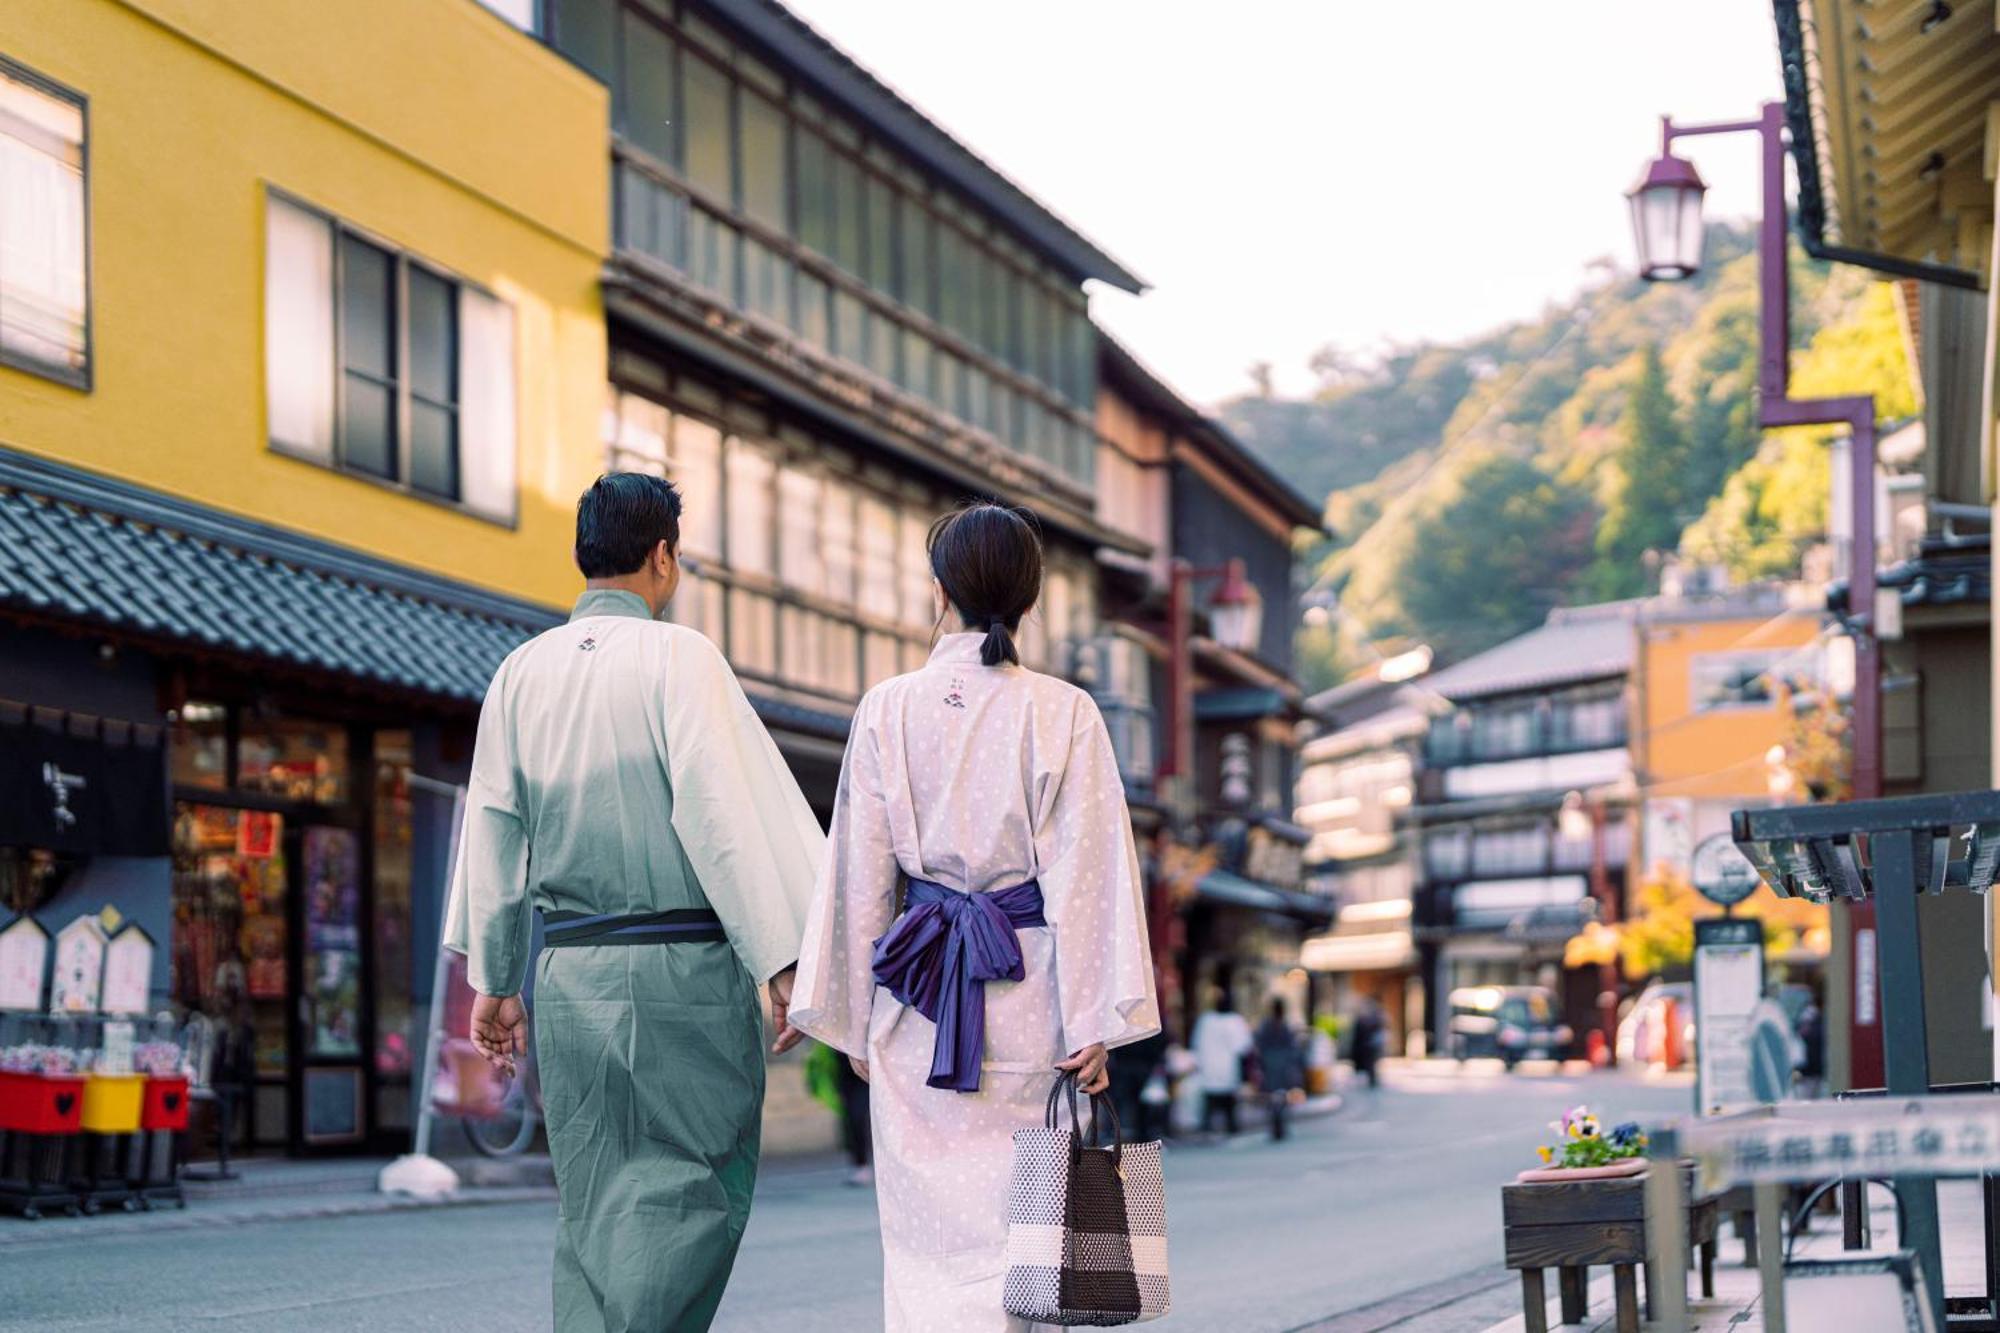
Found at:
<point>379,365</point>
<point>523,14</point>
<point>799,508</point>
<point>845,182</point>
<point>915,576</point>
<point>697,471</point>
<point>812,325</point>
<point>712,254</point>
<point>837,540</point>
<point>646,92</point>
<point>913,236</point>
<point>698,606</point>
<point>815,192</point>
<point>44,265</point>
<point>881,238</point>
<point>586,32</point>
<point>753,632</point>
<point>764,176</point>
<point>1743,680</point>
<point>767,282</point>
<point>879,593</point>
<point>752,467</point>
<point>705,127</point>
<point>638,431</point>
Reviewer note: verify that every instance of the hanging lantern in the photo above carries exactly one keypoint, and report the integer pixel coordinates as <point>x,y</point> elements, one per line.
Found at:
<point>1236,611</point>
<point>1666,219</point>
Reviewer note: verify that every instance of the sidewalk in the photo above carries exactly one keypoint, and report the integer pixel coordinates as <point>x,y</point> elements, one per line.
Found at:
<point>281,1189</point>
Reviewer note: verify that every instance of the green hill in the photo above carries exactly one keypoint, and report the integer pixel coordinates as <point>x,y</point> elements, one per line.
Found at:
<point>1473,486</point>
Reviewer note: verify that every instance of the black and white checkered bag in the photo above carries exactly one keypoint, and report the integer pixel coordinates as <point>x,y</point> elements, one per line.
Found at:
<point>1086,1225</point>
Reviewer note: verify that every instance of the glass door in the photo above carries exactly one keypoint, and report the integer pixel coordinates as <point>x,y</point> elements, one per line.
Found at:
<point>230,960</point>
<point>332,1103</point>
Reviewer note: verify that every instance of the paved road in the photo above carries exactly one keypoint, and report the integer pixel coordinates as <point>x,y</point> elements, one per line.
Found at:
<point>1396,1192</point>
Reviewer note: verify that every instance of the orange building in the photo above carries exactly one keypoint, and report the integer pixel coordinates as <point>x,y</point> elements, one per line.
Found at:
<point>1712,691</point>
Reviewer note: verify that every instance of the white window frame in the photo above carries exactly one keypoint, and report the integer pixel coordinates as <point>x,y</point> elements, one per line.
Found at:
<point>468,291</point>
<point>76,377</point>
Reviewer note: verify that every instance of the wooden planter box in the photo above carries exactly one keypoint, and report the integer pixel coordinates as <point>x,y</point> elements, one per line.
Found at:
<point>1570,1225</point>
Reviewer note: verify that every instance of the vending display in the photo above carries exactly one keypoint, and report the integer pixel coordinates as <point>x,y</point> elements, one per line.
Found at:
<point>332,859</point>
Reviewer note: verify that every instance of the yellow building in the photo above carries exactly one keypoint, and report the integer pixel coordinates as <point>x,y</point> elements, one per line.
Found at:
<point>302,359</point>
<point>1712,692</point>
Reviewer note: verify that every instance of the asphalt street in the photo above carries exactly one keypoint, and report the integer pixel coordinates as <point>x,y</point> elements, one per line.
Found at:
<point>1397,1191</point>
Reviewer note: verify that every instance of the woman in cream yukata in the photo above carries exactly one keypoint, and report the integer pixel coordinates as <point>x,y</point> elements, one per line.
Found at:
<point>972,776</point>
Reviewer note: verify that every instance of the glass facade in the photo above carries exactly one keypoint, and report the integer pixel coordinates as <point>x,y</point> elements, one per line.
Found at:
<point>748,188</point>
<point>806,568</point>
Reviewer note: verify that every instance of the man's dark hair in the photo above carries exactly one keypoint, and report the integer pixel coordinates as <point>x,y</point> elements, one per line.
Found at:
<point>621,518</point>
<point>988,559</point>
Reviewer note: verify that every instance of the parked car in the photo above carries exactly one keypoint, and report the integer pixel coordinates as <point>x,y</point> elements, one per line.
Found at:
<point>1509,1023</point>
<point>1658,1029</point>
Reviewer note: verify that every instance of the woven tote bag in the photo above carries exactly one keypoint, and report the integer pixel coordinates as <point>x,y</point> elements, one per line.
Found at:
<point>1086,1223</point>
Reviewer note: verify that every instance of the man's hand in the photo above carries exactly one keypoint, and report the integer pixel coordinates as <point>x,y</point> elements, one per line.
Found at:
<point>499,1030</point>
<point>1092,1066</point>
<point>780,988</point>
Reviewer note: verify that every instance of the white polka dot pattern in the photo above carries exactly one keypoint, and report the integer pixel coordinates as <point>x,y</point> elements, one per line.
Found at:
<point>977,778</point>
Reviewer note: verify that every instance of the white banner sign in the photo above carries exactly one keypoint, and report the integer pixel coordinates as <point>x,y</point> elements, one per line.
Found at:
<point>1926,1137</point>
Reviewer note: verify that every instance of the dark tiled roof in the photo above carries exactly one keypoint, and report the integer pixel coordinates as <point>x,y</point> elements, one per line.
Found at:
<point>85,549</point>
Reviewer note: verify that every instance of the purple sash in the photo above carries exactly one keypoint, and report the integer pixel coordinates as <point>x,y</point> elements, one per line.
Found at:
<point>938,957</point>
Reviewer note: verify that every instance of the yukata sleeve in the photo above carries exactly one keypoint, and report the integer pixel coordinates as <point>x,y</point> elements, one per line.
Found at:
<point>739,814</point>
<point>1094,895</point>
<point>853,903</point>
<point>488,918</point>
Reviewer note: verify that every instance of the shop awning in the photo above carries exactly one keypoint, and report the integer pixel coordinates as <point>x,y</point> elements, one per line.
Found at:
<point>87,550</point>
<point>1380,951</point>
<point>1221,886</point>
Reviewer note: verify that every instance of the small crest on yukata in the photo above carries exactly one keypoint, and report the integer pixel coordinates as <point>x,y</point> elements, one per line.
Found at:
<point>956,697</point>
<point>589,644</point>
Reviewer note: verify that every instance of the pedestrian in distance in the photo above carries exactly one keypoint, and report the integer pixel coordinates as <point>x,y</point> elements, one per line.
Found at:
<point>979,835</point>
<point>1369,1034</point>
<point>1222,1039</point>
<point>622,787</point>
<point>1282,1063</point>
<point>1134,1070</point>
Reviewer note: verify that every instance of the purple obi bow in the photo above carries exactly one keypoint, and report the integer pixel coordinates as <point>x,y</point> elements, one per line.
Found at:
<point>938,957</point>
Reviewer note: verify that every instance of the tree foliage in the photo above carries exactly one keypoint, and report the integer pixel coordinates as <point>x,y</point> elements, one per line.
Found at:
<point>1472,486</point>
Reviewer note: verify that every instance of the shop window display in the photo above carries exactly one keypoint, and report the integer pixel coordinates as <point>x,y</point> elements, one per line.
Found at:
<point>299,761</point>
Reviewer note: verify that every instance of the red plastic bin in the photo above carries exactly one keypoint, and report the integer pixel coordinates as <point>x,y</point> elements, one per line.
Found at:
<point>166,1104</point>
<point>41,1103</point>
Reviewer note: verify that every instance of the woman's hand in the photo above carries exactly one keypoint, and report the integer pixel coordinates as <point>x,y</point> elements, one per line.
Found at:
<point>860,1068</point>
<point>499,1030</point>
<point>1092,1066</point>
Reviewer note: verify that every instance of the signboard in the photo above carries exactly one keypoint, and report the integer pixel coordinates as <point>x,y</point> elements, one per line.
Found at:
<point>128,971</point>
<point>79,978</point>
<point>114,1055</point>
<point>1728,988</point>
<point>1720,872</point>
<point>24,959</point>
<point>1953,1135</point>
<point>1669,825</point>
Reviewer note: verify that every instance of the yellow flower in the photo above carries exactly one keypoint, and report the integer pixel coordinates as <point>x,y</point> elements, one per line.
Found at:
<point>1548,1154</point>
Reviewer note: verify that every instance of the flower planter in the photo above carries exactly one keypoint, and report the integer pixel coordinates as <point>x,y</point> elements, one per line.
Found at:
<point>165,1105</point>
<point>111,1102</point>
<point>1630,1166</point>
<point>41,1103</point>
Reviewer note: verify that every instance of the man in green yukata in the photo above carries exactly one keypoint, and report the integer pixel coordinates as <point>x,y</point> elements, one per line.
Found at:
<point>623,788</point>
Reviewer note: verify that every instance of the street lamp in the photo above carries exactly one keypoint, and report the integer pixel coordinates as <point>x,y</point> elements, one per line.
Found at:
<point>1236,610</point>
<point>1666,218</point>
<point>1579,818</point>
<point>1663,254</point>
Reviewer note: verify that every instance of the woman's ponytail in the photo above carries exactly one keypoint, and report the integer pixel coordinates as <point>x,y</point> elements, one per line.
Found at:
<point>999,645</point>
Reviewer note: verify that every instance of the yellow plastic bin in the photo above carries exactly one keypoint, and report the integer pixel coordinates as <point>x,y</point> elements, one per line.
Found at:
<point>111,1103</point>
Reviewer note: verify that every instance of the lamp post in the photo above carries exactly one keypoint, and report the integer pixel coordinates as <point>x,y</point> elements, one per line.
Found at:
<point>1236,619</point>
<point>1236,615</point>
<point>1581,818</point>
<point>1666,216</point>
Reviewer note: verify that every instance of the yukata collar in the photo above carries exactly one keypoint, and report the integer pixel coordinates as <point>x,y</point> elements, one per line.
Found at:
<point>958,649</point>
<point>610,602</point>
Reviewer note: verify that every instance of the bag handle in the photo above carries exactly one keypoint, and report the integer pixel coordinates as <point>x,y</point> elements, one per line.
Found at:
<point>1100,1105</point>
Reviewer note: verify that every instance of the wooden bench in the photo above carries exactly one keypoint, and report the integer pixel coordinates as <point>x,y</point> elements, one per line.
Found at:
<point>1571,1225</point>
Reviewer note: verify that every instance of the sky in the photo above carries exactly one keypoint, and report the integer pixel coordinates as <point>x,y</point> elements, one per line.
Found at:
<point>1288,174</point>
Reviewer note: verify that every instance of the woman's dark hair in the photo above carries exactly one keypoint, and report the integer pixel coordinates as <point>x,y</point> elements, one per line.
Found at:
<point>988,559</point>
<point>1277,1010</point>
<point>621,518</point>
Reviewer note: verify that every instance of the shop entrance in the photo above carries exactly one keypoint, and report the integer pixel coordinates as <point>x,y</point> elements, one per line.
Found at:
<point>291,849</point>
<point>268,947</point>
